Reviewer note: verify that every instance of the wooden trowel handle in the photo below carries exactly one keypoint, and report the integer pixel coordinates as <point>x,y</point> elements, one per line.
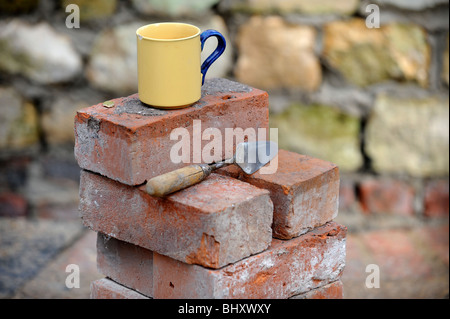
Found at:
<point>170,182</point>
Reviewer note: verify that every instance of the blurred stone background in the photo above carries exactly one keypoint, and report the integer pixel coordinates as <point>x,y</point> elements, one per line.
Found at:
<point>374,101</point>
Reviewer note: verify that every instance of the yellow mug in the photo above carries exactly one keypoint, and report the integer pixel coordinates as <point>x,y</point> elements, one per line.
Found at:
<point>170,73</point>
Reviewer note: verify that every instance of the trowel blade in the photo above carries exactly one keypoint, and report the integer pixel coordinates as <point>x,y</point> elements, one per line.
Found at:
<point>251,156</point>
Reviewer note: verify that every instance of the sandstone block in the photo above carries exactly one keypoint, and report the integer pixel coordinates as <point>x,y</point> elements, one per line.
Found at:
<point>112,64</point>
<point>37,52</point>
<point>274,54</point>
<point>445,61</point>
<point>18,121</point>
<point>93,9</point>
<point>409,135</point>
<point>341,7</point>
<point>320,131</point>
<point>174,8</point>
<point>367,56</point>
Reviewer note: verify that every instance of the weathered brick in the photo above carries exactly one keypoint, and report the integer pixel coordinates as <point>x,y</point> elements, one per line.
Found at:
<point>125,263</point>
<point>397,254</point>
<point>387,196</point>
<point>131,143</point>
<point>13,205</point>
<point>347,196</point>
<point>330,291</point>
<point>216,222</point>
<point>286,269</point>
<point>436,239</point>
<point>190,281</point>
<point>304,192</point>
<point>437,198</point>
<point>108,289</point>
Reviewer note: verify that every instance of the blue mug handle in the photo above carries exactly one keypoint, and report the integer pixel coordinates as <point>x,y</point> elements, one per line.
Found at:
<point>217,52</point>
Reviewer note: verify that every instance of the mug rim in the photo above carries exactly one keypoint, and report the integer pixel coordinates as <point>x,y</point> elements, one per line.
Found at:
<point>168,40</point>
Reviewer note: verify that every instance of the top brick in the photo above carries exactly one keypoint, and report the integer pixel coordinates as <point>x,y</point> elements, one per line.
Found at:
<point>130,142</point>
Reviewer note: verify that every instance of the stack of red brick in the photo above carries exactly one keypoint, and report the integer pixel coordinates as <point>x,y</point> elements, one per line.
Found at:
<point>230,236</point>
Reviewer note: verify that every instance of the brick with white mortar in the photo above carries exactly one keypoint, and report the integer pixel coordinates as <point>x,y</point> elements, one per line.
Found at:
<point>214,223</point>
<point>304,191</point>
<point>131,142</point>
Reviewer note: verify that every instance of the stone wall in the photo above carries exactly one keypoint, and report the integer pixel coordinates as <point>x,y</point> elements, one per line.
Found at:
<point>373,100</point>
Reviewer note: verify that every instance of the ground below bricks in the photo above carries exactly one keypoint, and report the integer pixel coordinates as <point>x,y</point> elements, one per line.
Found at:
<point>413,262</point>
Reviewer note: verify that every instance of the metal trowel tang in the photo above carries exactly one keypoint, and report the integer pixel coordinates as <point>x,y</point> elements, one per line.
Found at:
<point>249,156</point>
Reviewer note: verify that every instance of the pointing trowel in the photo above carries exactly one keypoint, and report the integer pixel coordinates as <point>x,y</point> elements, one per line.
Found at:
<point>249,156</point>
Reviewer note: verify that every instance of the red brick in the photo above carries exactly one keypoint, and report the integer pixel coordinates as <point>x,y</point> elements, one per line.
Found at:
<point>108,289</point>
<point>347,196</point>
<point>13,205</point>
<point>357,258</point>
<point>435,238</point>
<point>125,263</point>
<point>286,269</point>
<point>330,291</point>
<point>437,199</point>
<point>396,254</point>
<point>216,222</point>
<point>129,147</point>
<point>304,192</point>
<point>387,196</point>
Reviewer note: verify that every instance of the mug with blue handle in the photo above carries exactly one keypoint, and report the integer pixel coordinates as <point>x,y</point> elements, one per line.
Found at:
<point>170,73</point>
